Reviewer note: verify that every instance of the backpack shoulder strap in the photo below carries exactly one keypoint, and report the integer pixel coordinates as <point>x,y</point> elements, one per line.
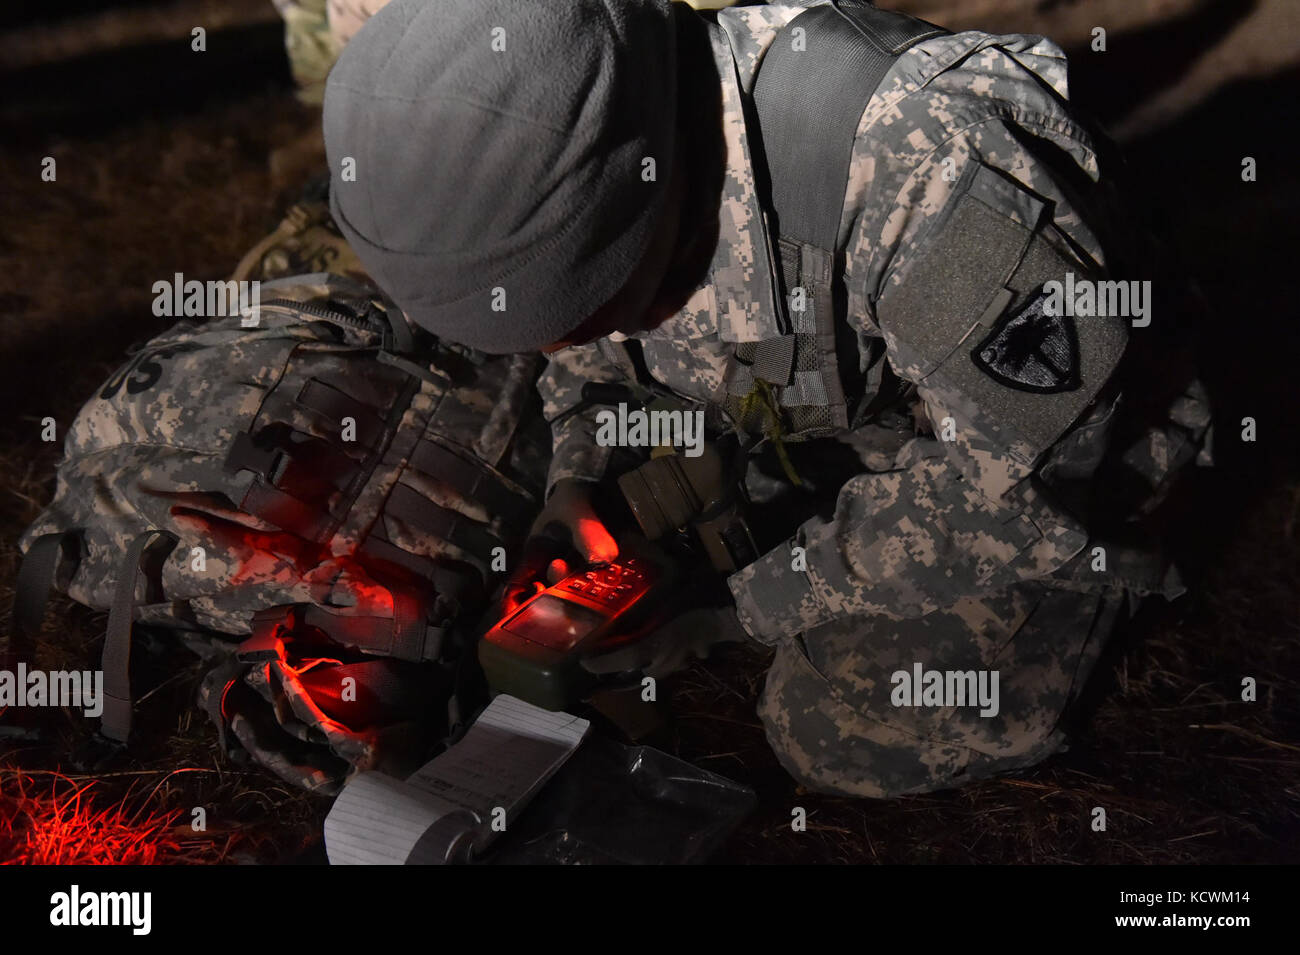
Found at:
<point>145,554</point>
<point>32,590</point>
<point>809,97</point>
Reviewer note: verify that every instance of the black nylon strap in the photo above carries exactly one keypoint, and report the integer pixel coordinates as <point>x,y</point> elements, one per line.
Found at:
<point>279,409</point>
<point>295,479</point>
<point>116,661</point>
<point>246,454</point>
<point>336,405</point>
<point>408,505</point>
<point>264,643</point>
<point>408,625</point>
<point>446,582</point>
<point>809,103</point>
<point>401,333</point>
<point>470,480</point>
<point>314,479</point>
<point>368,633</point>
<point>285,512</point>
<point>405,636</point>
<point>32,590</point>
<point>221,678</point>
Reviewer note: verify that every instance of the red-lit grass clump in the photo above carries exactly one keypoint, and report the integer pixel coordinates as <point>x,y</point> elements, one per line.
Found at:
<point>62,824</point>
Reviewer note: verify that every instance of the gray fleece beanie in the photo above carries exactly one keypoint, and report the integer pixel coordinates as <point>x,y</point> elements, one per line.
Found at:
<point>496,189</point>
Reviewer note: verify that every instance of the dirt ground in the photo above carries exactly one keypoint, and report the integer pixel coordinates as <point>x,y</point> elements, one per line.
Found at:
<point>164,165</point>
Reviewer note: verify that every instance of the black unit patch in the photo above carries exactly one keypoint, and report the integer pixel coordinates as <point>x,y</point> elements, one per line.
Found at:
<point>1031,351</point>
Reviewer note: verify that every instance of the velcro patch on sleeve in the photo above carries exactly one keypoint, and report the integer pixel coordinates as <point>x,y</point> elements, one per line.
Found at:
<point>970,319</point>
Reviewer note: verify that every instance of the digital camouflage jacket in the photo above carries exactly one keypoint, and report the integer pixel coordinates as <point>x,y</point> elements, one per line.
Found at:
<point>977,508</point>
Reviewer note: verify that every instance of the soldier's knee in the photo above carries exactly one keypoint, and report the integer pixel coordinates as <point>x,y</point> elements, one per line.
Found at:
<point>830,745</point>
<point>840,753</point>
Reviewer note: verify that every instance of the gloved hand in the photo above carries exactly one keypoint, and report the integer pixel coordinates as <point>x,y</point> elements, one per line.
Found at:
<point>670,647</point>
<point>565,535</point>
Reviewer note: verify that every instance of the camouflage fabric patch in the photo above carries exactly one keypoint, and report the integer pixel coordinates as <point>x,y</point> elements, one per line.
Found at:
<point>307,241</point>
<point>829,714</point>
<point>945,103</point>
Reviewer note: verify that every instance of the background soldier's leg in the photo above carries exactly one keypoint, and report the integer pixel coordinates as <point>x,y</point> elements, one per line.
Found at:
<point>827,704</point>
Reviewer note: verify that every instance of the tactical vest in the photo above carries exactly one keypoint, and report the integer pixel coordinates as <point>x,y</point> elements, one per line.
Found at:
<point>957,311</point>
<point>978,279</point>
<point>807,123</point>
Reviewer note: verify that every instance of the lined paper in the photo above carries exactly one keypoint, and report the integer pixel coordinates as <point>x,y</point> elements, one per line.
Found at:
<point>505,758</point>
<point>377,820</point>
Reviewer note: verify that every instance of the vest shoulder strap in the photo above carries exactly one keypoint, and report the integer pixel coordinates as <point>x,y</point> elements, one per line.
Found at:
<point>809,95</point>
<point>810,92</point>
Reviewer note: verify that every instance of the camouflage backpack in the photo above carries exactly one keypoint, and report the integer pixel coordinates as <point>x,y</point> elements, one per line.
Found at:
<point>328,487</point>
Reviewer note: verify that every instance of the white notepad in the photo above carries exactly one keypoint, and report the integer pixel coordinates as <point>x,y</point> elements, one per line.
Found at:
<point>509,753</point>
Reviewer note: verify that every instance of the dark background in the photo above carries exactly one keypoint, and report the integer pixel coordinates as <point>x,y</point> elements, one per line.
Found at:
<point>170,160</point>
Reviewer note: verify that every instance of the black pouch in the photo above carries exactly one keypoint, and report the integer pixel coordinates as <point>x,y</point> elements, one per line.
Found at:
<point>632,805</point>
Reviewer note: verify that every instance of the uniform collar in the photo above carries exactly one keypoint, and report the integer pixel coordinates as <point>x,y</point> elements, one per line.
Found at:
<point>736,300</point>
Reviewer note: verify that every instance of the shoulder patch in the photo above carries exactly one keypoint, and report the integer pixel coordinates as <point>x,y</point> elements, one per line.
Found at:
<point>1030,350</point>
<point>979,276</point>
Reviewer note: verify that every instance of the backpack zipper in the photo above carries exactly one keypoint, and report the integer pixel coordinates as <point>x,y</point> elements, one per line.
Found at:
<point>320,311</point>
<point>368,322</point>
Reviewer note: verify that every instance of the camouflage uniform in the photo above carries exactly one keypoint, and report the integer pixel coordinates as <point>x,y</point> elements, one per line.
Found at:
<point>314,33</point>
<point>957,554</point>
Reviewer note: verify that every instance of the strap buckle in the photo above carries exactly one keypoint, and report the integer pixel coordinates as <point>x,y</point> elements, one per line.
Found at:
<point>246,454</point>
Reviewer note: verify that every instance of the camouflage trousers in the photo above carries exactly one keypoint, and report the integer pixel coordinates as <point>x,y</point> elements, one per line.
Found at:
<point>830,703</point>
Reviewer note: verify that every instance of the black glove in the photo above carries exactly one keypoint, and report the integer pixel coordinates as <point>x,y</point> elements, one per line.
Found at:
<point>566,535</point>
<point>539,566</point>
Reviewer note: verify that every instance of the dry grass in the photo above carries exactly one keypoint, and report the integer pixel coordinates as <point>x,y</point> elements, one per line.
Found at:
<point>67,827</point>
